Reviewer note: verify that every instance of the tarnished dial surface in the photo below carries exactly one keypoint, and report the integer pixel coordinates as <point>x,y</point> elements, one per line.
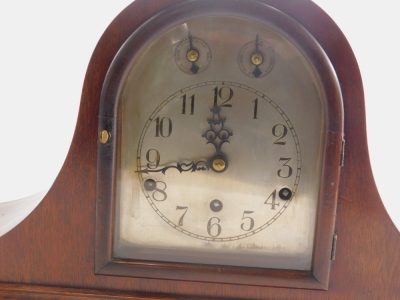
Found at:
<point>220,147</point>
<point>226,209</point>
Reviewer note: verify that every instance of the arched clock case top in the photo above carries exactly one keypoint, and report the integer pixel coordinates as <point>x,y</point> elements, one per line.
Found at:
<point>109,155</point>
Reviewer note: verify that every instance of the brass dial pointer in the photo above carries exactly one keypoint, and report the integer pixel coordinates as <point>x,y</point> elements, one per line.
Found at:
<point>192,55</point>
<point>257,59</point>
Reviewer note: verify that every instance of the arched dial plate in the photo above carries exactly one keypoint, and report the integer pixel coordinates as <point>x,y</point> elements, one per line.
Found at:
<point>218,163</point>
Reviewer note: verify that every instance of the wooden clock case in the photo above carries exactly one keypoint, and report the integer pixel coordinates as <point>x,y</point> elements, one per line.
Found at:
<point>52,253</point>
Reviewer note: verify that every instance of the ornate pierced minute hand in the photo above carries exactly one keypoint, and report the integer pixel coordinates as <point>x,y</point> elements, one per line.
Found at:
<point>217,134</point>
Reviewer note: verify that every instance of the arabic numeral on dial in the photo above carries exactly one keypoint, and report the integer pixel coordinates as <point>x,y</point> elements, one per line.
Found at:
<point>271,200</point>
<point>225,94</point>
<point>159,194</point>
<point>153,158</point>
<point>213,227</point>
<point>163,127</point>
<point>279,131</point>
<point>286,170</point>
<point>185,208</point>
<point>248,223</point>
<point>184,104</point>
<point>255,109</point>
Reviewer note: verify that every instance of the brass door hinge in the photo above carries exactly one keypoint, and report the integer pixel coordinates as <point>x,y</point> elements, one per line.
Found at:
<point>342,152</point>
<point>333,252</point>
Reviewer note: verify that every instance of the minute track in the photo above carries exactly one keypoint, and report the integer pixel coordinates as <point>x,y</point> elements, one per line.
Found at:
<point>225,100</point>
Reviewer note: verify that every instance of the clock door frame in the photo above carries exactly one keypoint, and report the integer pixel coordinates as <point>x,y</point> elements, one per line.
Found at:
<point>108,159</point>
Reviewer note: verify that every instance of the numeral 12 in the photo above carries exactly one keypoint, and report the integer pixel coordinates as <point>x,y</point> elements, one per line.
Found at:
<point>224,93</point>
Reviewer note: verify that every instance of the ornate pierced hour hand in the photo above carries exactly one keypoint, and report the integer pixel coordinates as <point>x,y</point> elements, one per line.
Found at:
<point>218,164</point>
<point>201,165</point>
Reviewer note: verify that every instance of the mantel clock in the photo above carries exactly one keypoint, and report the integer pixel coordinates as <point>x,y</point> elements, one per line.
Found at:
<point>220,152</point>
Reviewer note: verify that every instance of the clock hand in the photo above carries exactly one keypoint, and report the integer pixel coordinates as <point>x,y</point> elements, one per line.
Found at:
<point>218,164</point>
<point>257,59</point>
<point>217,134</point>
<point>181,167</point>
<point>256,43</point>
<point>192,55</point>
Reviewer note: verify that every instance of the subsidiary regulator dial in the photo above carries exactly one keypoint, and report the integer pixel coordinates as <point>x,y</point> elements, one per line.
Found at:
<point>256,58</point>
<point>192,55</point>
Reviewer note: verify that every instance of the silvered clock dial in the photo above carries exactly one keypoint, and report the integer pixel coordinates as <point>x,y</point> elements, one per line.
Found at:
<point>220,140</point>
<point>198,165</point>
